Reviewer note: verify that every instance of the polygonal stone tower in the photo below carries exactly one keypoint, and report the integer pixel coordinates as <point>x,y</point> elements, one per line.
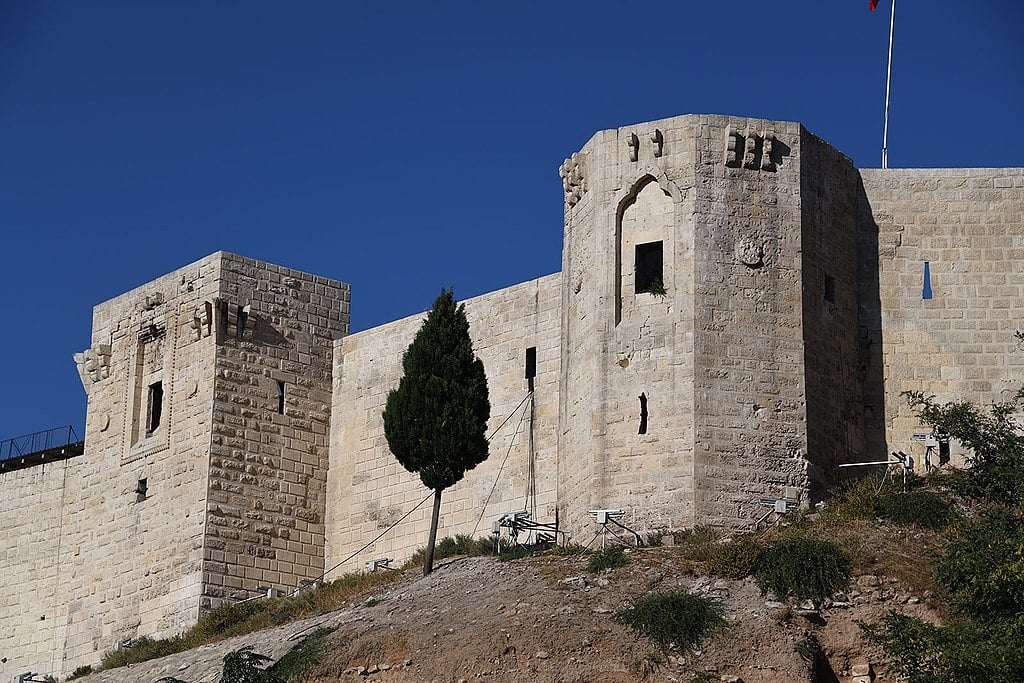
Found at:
<point>708,305</point>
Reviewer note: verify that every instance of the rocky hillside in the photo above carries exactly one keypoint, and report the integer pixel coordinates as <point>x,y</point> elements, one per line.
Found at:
<point>547,619</point>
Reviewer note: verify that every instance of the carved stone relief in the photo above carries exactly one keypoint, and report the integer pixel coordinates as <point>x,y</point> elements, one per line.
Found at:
<point>749,252</point>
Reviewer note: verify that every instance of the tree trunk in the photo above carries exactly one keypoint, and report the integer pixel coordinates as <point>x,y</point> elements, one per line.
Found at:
<point>428,561</point>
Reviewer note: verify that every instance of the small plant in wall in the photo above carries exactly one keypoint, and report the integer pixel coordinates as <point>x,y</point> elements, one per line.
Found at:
<point>655,287</point>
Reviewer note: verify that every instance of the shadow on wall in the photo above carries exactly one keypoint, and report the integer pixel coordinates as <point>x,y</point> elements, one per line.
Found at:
<point>870,328</point>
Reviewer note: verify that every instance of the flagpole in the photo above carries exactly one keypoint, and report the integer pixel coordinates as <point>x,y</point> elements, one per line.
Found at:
<point>888,79</point>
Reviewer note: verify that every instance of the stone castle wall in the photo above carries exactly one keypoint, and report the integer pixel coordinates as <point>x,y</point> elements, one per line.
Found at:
<point>131,563</point>
<point>968,225</point>
<point>369,490</point>
<point>33,610</point>
<point>833,368</point>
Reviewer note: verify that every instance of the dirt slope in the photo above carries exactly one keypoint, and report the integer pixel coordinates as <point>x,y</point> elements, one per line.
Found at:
<point>546,619</point>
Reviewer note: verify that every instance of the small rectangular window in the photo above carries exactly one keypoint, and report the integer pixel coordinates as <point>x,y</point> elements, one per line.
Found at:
<point>531,365</point>
<point>155,407</point>
<point>926,289</point>
<point>141,490</point>
<point>280,398</point>
<point>649,277</point>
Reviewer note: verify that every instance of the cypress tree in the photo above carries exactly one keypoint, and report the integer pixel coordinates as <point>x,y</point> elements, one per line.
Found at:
<point>436,420</point>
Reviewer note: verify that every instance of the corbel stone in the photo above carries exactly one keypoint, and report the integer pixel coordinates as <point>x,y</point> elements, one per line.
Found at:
<point>750,151</point>
<point>93,365</point>
<point>236,320</point>
<point>767,149</point>
<point>574,181</point>
<point>202,319</point>
<point>633,142</point>
<point>151,301</point>
<point>658,140</point>
<point>733,142</point>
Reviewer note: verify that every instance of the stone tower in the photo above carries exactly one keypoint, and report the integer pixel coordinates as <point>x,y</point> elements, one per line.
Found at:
<point>709,291</point>
<point>206,451</point>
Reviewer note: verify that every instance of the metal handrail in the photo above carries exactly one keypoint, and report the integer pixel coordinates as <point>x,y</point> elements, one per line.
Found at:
<point>37,442</point>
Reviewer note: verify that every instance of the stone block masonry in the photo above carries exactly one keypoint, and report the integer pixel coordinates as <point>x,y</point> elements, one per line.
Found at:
<point>739,311</point>
<point>369,490</point>
<point>956,340</point>
<point>198,483</point>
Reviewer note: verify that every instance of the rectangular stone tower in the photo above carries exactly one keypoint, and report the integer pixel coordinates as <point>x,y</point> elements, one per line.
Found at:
<point>206,453</point>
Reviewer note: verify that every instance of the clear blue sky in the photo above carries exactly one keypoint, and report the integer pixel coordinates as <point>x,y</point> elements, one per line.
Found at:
<point>406,146</point>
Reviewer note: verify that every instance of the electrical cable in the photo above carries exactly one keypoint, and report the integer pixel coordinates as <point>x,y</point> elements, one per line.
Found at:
<point>511,443</point>
<point>402,518</point>
<point>377,537</point>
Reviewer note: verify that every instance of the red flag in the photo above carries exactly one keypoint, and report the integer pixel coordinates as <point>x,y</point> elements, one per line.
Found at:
<point>874,4</point>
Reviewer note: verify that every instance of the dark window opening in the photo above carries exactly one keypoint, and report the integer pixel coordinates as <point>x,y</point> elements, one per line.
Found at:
<point>156,406</point>
<point>141,490</point>
<point>830,289</point>
<point>943,451</point>
<point>649,269</point>
<point>531,365</point>
<point>643,414</point>
<point>280,398</point>
<point>926,290</point>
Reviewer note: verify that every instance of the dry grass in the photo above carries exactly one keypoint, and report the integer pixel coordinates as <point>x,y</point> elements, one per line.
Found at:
<point>246,617</point>
<point>883,549</point>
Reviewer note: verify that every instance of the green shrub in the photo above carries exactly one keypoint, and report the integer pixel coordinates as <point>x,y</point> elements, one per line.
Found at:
<point>735,558</point>
<point>674,619</point>
<point>245,665</point>
<point>803,568</point>
<point>982,569</point>
<point>921,508</point>
<point>920,652</point>
<point>461,544</point>
<point>567,550</point>
<point>516,552</point>
<point>994,442</point>
<point>611,557</point>
<point>298,661</point>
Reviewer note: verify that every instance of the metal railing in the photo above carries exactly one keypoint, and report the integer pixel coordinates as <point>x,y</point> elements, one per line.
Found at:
<point>38,442</point>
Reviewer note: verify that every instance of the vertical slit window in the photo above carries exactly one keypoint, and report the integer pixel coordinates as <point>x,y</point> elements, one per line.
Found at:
<point>155,407</point>
<point>926,289</point>
<point>142,490</point>
<point>280,398</point>
<point>830,289</point>
<point>531,365</point>
<point>643,414</point>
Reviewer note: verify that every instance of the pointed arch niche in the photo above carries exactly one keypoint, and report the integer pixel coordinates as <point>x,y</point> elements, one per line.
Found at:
<point>643,249</point>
